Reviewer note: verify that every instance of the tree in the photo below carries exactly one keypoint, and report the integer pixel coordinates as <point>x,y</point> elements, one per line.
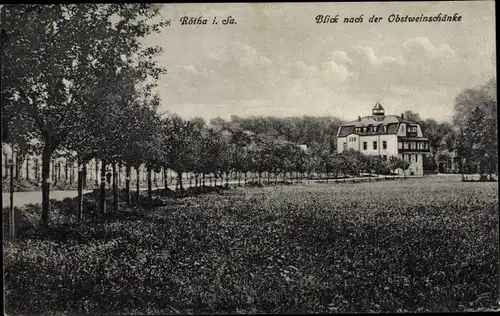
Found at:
<point>484,97</point>
<point>475,116</point>
<point>398,163</point>
<point>179,138</point>
<point>412,116</point>
<point>381,166</point>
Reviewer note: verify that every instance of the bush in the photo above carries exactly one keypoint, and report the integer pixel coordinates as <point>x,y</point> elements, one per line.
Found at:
<point>20,185</point>
<point>255,184</point>
<point>64,186</point>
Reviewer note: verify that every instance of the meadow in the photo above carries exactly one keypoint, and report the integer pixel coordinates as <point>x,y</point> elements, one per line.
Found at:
<point>411,245</point>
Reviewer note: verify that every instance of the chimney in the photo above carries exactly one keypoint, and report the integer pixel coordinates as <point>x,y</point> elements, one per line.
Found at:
<point>402,116</point>
<point>359,118</point>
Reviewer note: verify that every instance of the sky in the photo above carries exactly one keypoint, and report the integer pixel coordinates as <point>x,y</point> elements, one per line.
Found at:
<point>276,60</point>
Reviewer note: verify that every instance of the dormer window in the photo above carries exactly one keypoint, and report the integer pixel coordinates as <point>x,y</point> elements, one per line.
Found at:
<point>385,128</point>
<point>374,129</point>
<point>364,129</point>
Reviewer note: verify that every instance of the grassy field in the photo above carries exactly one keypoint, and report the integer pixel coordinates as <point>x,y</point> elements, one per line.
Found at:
<point>393,246</point>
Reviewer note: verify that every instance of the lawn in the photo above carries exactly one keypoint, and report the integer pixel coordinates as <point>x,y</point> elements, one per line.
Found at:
<point>392,246</point>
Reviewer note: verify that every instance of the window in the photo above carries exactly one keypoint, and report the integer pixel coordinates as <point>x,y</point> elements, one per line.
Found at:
<point>374,128</point>
<point>385,128</point>
<point>345,146</point>
<point>384,144</point>
<point>365,145</point>
<point>416,158</point>
<point>364,129</point>
<point>374,145</point>
<point>402,127</point>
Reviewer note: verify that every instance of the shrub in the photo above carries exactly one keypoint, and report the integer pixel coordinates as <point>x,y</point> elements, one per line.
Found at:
<point>20,185</point>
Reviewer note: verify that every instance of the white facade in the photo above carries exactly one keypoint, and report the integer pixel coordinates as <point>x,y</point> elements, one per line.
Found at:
<point>374,145</point>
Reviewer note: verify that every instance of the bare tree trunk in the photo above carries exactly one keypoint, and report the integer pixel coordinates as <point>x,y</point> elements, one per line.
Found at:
<point>80,192</point>
<point>47,152</point>
<point>179,177</point>
<point>53,165</point>
<point>155,179</point>
<point>115,188</point>
<point>37,171</point>
<point>96,173</point>
<point>84,181</point>
<point>16,166</point>
<point>58,172</point>
<point>72,174</point>
<point>127,183</point>
<point>11,205</point>
<point>27,168</point>
<point>150,184</point>
<point>137,184</point>
<point>165,178</point>
<point>102,200</point>
<point>120,173</point>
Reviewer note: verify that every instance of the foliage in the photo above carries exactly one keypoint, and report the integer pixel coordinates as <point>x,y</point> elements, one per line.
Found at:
<point>476,118</point>
<point>316,132</point>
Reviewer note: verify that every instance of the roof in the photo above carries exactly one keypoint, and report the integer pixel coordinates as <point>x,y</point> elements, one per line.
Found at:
<point>371,120</point>
<point>391,121</point>
<point>391,129</point>
<point>378,106</point>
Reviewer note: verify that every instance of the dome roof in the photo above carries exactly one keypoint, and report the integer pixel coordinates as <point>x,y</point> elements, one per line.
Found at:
<point>378,106</point>
<point>378,110</point>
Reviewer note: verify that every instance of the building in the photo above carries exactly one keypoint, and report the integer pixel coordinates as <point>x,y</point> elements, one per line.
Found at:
<point>385,136</point>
